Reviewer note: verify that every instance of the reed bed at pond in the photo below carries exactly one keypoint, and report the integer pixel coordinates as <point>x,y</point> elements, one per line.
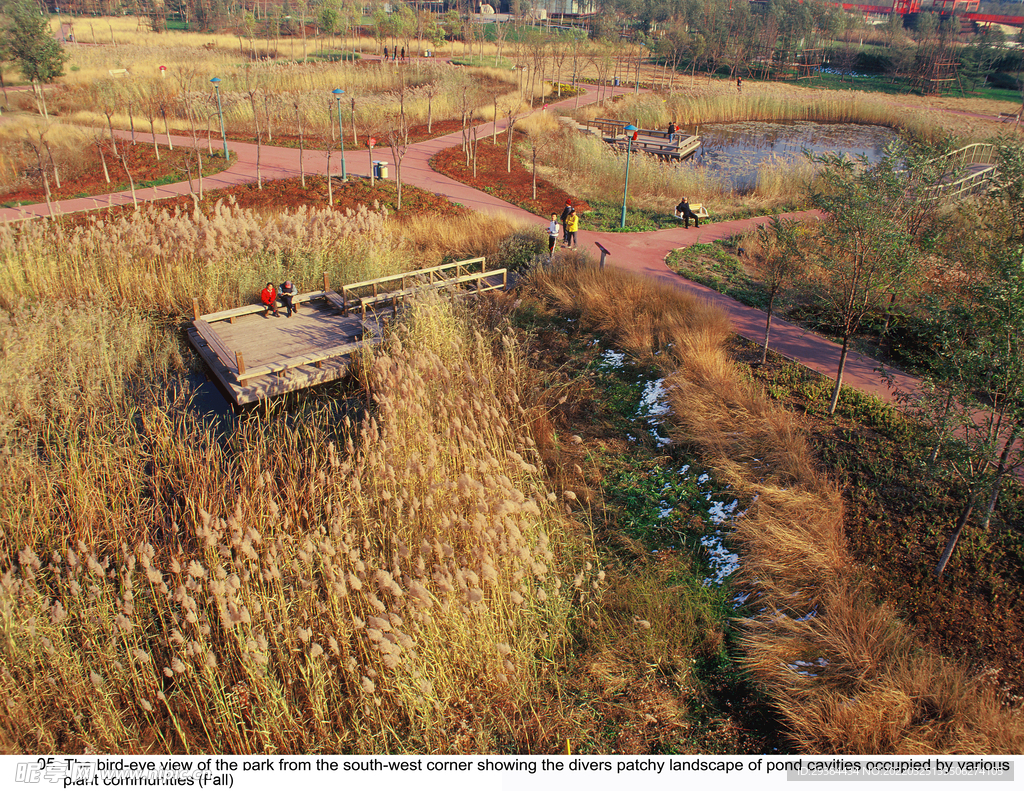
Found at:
<point>586,166</point>
<point>374,585</point>
<point>846,675</point>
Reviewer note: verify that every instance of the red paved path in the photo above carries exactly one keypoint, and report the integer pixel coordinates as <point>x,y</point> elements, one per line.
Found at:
<point>643,253</point>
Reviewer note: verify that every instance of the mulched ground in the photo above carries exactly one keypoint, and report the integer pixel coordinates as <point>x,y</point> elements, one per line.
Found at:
<point>142,164</point>
<point>290,194</point>
<point>493,177</point>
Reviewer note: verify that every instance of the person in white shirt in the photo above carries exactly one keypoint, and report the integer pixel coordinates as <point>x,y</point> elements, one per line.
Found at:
<point>553,233</point>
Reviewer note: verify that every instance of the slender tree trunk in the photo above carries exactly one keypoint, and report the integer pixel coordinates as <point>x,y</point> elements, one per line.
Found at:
<point>934,456</point>
<point>302,170</point>
<point>961,523</point>
<point>1001,470</point>
<point>103,159</point>
<point>839,374</point>
<point>535,171</point>
<point>167,129</point>
<point>330,183</point>
<point>767,327</point>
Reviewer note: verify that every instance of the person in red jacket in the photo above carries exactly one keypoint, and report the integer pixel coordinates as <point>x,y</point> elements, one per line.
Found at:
<point>268,296</point>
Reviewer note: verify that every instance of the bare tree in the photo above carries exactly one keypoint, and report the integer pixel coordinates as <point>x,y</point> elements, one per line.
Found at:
<point>512,111</point>
<point>302,142</point>
<point>398,138</point>
<point>252,90</point>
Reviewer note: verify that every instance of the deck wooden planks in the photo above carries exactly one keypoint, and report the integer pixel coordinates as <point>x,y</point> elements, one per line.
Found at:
<point>282,354</point>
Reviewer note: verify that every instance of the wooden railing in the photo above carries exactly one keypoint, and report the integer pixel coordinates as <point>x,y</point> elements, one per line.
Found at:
<point>984,154</point>
<point>435,277</point>
<point>380,290</point>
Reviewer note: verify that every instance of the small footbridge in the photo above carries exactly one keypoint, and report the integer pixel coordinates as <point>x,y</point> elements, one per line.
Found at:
<point>970,169</point>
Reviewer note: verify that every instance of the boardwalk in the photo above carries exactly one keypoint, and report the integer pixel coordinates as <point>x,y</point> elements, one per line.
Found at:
<point>256,355</point>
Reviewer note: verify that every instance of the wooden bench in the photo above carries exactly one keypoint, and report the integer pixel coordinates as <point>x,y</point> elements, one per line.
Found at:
<point>1007,118</point>
<point>697,208</point>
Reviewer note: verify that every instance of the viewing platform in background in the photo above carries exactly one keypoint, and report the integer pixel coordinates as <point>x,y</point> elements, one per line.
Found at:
<point>254,356</point>
<point>648,141</point>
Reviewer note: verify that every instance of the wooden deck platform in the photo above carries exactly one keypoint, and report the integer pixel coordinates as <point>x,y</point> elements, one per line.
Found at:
<point>648,141</point>
<point>255,356</point>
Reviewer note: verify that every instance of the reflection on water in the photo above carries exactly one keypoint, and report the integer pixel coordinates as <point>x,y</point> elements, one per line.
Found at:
<point>734,151</point>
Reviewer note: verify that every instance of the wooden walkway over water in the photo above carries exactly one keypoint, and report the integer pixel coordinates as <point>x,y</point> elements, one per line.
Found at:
<point>255,356</point>
<point>648,141</point>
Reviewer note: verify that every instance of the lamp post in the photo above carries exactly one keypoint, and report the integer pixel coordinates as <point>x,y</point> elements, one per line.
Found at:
<point>220,112</point>
<point>341,133</point>
<point>631,130</point>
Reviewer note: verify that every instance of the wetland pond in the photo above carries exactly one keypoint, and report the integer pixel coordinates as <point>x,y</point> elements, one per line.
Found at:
<point>735,151</point>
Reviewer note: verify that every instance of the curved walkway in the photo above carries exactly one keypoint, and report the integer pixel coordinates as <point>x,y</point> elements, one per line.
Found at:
<point>643,253</point>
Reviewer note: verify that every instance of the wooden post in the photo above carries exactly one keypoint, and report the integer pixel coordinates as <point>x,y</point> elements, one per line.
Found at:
<point>195,309</point>
<point>504,280</point>
<point>240,362</point>
<point>344,300</point>
<point>327,282</point>
<point>483,265</point>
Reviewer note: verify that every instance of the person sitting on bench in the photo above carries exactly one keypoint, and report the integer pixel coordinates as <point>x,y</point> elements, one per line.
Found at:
<point>287,293</point>
<point>684,212</point>
<point>268,296</point>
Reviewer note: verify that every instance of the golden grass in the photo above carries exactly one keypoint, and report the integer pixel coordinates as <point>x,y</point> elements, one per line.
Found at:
<point>865,685</point>
<point>280,89</point>
<point>371,586</point>
<point>21,136</point>
<point>702,101</point>
<point>159,260</point>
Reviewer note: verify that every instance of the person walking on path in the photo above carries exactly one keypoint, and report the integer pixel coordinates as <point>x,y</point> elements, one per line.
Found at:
<point>287,295</point>
<point>739,85</point>
<point>684,212</point>
<point>403,54</point>
<point>565,220</point>
<point>572,225</point>
<point>552,234</point>
<point>268,296</point>
<point>385,54</point>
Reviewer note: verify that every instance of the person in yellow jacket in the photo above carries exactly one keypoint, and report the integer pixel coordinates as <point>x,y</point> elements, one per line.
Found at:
<point>572,225</point>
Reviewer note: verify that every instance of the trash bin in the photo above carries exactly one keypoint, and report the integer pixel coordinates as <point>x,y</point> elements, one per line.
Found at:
<point>382,169</point>
<point>616,82</point>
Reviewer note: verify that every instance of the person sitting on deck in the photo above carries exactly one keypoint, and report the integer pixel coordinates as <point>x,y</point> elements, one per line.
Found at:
<point>287,294</point>
<point>684,212</point>
<point>268,296</point>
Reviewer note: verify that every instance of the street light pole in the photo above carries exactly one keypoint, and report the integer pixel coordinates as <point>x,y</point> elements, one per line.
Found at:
<point>631,130</point>
<point>341,133</point>
<point>220,112</point>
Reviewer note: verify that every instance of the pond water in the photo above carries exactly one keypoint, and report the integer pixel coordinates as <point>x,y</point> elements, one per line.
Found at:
<point>735,151</point>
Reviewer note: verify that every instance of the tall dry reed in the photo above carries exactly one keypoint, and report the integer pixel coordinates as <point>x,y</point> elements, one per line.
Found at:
<point>845,673</point>
<point>380,585</point>
<point>159,260</point>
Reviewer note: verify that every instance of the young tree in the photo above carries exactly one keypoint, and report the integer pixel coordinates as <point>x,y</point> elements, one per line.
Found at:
<point>397,136</point>
<point>781,262</point>
<point>864,250</point>
<point>39,55</point>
